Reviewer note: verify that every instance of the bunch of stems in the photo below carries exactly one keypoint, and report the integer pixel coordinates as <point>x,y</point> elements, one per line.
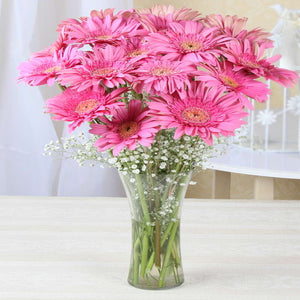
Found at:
<point>156,205</point>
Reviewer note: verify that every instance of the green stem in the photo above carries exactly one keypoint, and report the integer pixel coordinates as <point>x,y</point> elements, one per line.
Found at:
<point>146,232</point>
<point>136,261</point>
<point>150,262</point>
<point>145,246</point>
<point>157,233</point>
<point>175,255</point>
<point>62,87</point>
<point>162,276</point>
<point>176,275</point>
<point>157,244</point>
<point>167,190</point>
<point>142,198</point>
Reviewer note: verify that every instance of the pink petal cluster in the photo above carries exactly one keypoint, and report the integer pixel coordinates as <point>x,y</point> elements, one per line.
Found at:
<point>199,111</point>
<point>159,17</point>
<point>246,56</point>
<point>105,66</point>
<point>191,73</point>
<point>168,10</point>
<point>163,76</point>
<point>237,84</point>
<point>236,27</point>
<point>136,48</point>
<point>128,128</point>
<point>85,106</point>
<point>45,68</point>
<point>188,41</point>
<point>98,29</point>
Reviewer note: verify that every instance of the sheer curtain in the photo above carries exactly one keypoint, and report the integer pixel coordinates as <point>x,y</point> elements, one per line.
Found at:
<point>26,27</point>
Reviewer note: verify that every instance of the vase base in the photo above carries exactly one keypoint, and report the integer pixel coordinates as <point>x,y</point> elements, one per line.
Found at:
<point>154,287</point>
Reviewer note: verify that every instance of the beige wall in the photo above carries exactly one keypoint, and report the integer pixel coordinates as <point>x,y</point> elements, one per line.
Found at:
<point>259,14</point>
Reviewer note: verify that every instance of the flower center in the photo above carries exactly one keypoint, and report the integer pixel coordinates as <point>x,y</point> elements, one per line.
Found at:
<point>103,37</point>
<point>250,61</point>
<point>190,46</point>
<point>229,81</point>
<point>136,52</point>
<point>250,64</point>
<point>128,129</point>
<point>53,69</point>
<point>195,115</point>
<point>162,71</point>
<point>86,106</point>
<point>103,71</point>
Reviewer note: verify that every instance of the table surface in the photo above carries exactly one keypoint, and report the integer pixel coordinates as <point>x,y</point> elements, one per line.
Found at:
<point>258,163</point>
<point>78,248</point>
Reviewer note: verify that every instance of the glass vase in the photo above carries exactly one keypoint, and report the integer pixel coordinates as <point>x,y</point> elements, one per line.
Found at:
<point>155,203</point>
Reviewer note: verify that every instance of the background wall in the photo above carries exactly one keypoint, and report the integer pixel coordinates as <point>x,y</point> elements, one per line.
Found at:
<point>259,14</point>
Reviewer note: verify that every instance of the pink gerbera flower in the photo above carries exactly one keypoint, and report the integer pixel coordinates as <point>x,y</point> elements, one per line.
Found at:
<point>45,69</point>
<point>39,71</point>
<point>159,17</point>
<point>189,41</point>
<point>78,107</point>
<point>128,127</point>
<point>102,13</point>
<point>136,48</point>
<point>199,111</point>
<point>177,14</point>
<point>154,23</point>
<point>163,76</point>
<point>65,25</point>
<point>238,83</point>
<point>107,30</point>
<point>230,25</point>
<point>103,66</point>
<point>125,14</point>
<point>234,26</point>
<point>249,57</point>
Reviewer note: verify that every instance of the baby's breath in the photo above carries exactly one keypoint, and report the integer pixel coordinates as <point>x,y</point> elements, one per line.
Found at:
<point>165,155</point>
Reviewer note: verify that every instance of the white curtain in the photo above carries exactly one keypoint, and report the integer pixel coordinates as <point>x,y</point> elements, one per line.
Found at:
<point>27,26</point>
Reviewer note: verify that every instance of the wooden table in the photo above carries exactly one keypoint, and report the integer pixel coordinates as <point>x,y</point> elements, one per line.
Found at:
<point>78,248</point>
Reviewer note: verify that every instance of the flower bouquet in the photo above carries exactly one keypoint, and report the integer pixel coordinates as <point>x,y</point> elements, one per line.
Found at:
<point>159,88</point>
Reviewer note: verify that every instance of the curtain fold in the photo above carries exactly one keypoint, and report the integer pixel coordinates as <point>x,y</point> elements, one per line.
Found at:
<point>27,26</point>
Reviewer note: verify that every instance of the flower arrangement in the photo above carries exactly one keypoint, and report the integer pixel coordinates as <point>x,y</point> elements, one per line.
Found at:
<point>159,87</point>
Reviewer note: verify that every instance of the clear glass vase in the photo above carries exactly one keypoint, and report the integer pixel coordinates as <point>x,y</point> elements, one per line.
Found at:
<point>155,202</point>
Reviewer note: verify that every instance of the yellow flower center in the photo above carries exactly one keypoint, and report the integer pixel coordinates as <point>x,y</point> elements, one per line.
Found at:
<point>251,64</point>
<point>103,71</point>
<point>249,60</point>
<point>229,81</point>
<point>190,46</point>
<point>136,52</point>
<point>86,106</point>
<point>103,37</point>
<point>128,129</point>
<point>161,71</point>
<point>53,69</point>
<point>195,115</point>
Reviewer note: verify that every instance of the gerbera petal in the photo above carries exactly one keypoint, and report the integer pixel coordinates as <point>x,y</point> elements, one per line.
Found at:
<point>202,112</point>
<point>126,127</point>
